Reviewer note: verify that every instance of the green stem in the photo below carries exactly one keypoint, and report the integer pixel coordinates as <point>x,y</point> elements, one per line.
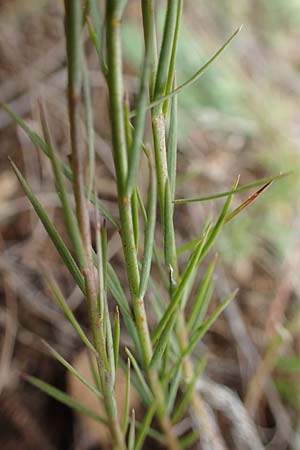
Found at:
<point>115,87</point>
<point>74,52</point>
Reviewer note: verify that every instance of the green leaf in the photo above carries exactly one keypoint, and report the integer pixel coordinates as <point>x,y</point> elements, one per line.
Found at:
<point>247,202</point>
<point>116,337</point>
<point>181,408</point>
<point>202,329</point>
<point>144,428</point>
<point>243,188</point>
<point>34,137</point>
<point>149,234</point>
<point>199,306</point>
<point>89,125</point>
<point>131,436</point>
<point>110,344</point>
<point>172,146</point>
<point>194,78</point>
<point>135,218</point>
<point>146,390</point>
<point>40,144</point>
<point>64,398</point>
<point>72,369</point>
<point>173,55</point>
<point>203,306</point>
<point>166,49</point>
<point>51,230</point>
<point>139,126</point>
<point>125,419</point>
<point>187,441</point>
<point>95,30</point>
<point>190,267</point>
<point>169,238</point>
<point>117,292</point>
<point>58,296</point>
<point>175,383</point>
<point>220,222</point>
<point>69,216</point>
<point>162,342</point>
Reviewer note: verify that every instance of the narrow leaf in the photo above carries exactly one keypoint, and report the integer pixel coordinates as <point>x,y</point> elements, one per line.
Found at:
<point>218,225</point>
<point>64,398</point>
<point>89,124</point>
<point>191,265</point>
<point>169,238</point>
<point>58,296</point>
<point>40,144</point>
<point>116,337</point>
<point>166,49</point>
<point>51,230</point>
<point>181,408</point>
<point>173,55</point>
<point>247,202</point>
<point>189,440</point>
<point>200,331</point>
<point>135,218</point>
<point>140,376</point>
<point>69,216</point>
<point>199,305</point>
<point>243,188</point>
<point>139,126</point>
<point>162,342</point>
<point>175,383</point>
<point>149,234</point>
<point>131,437</point>
<point>202,307</point>
<point>172,146</point>
<point>94,23</point>
<point>72,369</point>
<point>117,292</point>
<point>125,419</point>
<point>144,428</point>
<point>194,78</point>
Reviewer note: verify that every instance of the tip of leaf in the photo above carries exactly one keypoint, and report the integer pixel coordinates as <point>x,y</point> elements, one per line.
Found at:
<point>235,292</point>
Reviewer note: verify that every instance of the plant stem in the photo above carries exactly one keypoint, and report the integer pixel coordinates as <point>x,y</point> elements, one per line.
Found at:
<point>74,51</point>
<point>115,87</point>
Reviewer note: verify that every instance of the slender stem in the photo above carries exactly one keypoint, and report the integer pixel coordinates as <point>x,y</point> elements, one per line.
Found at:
<point>159,139</point>
<point>74,52</point>
<point>115,87</point>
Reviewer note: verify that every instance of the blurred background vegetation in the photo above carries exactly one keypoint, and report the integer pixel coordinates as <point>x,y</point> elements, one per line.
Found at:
<point>241,117</point>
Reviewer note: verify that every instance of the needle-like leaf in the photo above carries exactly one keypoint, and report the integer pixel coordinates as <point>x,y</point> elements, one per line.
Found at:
<point>163,341</point>
<point>69,216</point>
<point>131,436</point>
<point>243,188</point>
<point>143,429</point>
<point>194,78</point>
<point>116,337</point>
<point>149,234</point>
<point>181,408</point>
<point>41,145</point>
<point>125,419</point>
<point>58,296</point>
<point>64,398</point>
<point>202,329</point>
<point>72,369</point>
<point>51,230</point>
<point>191,265</point>
<point>199,303</point>
<point>247,202</point>
<point>140,376</point>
